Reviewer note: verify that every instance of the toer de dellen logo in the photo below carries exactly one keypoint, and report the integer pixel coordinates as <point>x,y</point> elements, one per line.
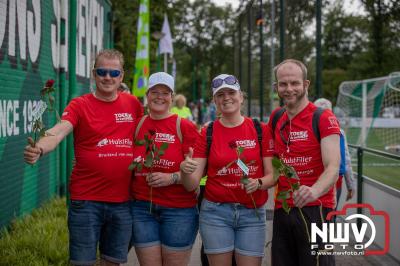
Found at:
<point>336,235</point>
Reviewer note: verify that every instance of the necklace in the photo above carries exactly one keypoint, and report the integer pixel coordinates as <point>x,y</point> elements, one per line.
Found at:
<point>289,136</point>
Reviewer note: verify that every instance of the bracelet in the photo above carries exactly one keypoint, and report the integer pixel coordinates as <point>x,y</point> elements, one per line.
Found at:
<point>260,183</point>
<point>175,178</point>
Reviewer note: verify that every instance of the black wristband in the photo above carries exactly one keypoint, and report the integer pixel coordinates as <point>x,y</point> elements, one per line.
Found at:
<point>260,183</point>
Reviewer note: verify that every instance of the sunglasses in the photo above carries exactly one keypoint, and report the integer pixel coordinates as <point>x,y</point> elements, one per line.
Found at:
<point>229,80</point>
<point>102,72</point>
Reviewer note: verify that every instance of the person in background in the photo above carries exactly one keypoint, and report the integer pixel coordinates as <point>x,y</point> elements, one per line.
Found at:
<point>165,235</point>
<point>99,216</point>
<point>180,107</point>
<point>124,88</point>
<point>315,161</point>
<point>228,217</point>
<point>345,169</point>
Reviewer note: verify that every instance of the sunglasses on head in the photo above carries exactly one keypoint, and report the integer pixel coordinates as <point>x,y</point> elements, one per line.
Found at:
<point>102,72</point>
<point>229,80</point>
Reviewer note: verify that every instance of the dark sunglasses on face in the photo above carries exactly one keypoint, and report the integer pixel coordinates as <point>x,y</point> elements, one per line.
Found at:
<point>102,72</point>
<point>229,80</point>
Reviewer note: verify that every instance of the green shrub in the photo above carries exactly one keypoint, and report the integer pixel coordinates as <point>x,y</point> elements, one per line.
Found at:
<point>37,239</point>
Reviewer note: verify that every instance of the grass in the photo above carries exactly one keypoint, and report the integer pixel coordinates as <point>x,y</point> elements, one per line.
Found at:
<point>382,169</point>
<point>37,239</point>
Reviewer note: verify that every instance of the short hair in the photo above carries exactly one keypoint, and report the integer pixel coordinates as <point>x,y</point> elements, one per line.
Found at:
<point>180,97</point>
<point>110,54</point>
<point>294,61</point>
<point>323,103</point>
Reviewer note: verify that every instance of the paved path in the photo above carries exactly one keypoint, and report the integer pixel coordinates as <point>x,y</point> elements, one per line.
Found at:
<point>340,260</point>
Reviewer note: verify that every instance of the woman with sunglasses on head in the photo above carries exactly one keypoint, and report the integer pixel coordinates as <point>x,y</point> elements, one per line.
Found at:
<point>229,220</point>
<point>165,216</point>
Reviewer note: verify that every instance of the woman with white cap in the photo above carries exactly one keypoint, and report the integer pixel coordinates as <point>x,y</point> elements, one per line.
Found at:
<point>165,217</point>
<point>228,221</point>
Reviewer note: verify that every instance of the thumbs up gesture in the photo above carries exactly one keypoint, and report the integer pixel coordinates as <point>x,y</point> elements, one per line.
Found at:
<point>188,166</point>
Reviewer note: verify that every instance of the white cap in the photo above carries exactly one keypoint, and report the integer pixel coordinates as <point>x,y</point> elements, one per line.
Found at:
<point>323,103</point>
<point>161,78</point>
<point>235,86</point>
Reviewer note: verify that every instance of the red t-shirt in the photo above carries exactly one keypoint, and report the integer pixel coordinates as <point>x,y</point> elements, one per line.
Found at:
<point>174,196</point>
<point>303,151</point>
<point>103,141</point>
<point>223,184</point>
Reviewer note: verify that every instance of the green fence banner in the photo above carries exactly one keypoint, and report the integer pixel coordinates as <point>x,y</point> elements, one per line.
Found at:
<point>142,63</point>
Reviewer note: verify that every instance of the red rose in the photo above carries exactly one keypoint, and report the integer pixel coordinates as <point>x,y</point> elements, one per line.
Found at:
<point>232,144</point>
<point>152,132</point>
<point>49,83</point>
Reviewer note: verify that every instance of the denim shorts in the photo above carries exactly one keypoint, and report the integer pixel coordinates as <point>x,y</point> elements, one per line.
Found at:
<point>174,228</point>
<point>225,227</point>
<point>91,223</point>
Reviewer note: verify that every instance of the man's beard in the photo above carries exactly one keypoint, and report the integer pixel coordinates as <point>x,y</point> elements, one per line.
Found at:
<point>299,97</point>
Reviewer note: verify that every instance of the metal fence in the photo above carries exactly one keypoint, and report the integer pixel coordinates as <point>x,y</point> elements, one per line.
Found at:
<point>382,197</point>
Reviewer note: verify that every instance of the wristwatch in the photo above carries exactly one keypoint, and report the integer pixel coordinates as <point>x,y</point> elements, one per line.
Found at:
<point>260,183</point>
<point>175,178</point>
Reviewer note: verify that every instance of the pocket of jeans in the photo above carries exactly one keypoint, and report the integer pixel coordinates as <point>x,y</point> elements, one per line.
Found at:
<point>209,205</point>
<point>77,204</point>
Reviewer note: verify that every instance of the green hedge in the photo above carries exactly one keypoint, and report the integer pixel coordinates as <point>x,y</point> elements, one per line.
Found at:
<point>37,239</point>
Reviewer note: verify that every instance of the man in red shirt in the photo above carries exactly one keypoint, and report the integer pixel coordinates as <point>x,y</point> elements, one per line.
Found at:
<point>316,162</point>
<point>103,123</point>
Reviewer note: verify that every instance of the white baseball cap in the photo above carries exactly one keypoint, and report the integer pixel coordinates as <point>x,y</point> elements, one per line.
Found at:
<point>161,78</point>
<point>224,81</point>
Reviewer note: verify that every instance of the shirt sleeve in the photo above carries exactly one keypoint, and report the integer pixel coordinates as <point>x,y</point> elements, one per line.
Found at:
<point>200,148</point>
<point>267,141</point>
<point>71,112</point>
<point>190,135</point>
<point>328,124</point>
<point>139,109</point>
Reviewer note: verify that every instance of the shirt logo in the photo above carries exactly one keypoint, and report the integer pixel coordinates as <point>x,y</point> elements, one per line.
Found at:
<point>297,161</point>
<point>123,118</point>
<point>298,135</point>
<point>333,121</point>
<point>162,163</point>
<point>246,143</point>
<point>127,143</point>
<point>164,137</point>
<point>236,171</point>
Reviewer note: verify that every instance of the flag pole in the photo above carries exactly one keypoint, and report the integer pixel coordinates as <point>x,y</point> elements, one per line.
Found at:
<point>166,62</point>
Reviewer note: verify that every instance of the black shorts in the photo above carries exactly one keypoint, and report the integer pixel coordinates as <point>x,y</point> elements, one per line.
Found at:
<point>290,244</point>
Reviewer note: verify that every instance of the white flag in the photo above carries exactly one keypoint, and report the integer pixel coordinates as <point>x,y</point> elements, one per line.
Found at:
<point>166,40</point>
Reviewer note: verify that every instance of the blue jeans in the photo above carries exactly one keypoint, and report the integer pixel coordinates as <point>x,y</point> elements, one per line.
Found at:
<point>104,223</point>
<point>225,227</point>
<point>174,228</point>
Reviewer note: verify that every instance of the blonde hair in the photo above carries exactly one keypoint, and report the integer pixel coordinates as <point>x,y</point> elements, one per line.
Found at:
<point>110,54</point>
<point>180,97</point>
<point>294,61</point>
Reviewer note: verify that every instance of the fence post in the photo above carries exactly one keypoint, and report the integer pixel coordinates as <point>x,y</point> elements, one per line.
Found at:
<point>249,21</point>
<point>360,153</point>
<point>261,86</point>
